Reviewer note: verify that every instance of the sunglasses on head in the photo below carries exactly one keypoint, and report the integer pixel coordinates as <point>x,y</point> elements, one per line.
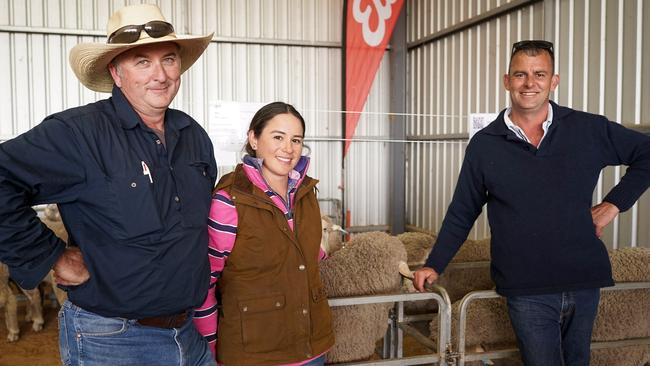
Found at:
<point>131,33</point>
<point>532,45</point>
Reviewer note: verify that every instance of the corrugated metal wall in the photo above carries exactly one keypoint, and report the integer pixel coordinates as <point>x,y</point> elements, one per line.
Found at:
<point>602,56</point>
<point>366,170</point>
<point>264,50</point>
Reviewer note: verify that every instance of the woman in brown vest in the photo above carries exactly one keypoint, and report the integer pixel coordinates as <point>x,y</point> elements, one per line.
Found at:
<point>265,232</point>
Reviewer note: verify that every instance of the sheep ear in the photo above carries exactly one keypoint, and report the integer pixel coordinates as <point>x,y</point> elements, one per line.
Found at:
<point>405,271</point>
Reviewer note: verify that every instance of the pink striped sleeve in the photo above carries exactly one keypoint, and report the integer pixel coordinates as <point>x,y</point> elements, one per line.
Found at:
<point>321,254</point>
<point>222,231</point>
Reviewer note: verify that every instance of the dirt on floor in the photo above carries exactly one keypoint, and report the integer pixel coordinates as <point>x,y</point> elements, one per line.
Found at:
<point>33,348</point>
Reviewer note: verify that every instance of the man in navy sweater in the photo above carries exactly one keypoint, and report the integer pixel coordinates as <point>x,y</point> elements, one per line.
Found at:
<point>536,167</point>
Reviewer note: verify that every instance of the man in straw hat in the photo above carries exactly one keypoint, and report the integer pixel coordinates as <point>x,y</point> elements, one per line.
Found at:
<point>133,180</point>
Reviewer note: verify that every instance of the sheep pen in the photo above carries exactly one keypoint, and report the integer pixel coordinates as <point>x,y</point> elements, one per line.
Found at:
<point>367,265</point>
<point>456,279</point>
<point>622,315</point>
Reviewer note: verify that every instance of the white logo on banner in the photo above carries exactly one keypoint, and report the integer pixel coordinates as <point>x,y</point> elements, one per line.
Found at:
<point>372,38</point>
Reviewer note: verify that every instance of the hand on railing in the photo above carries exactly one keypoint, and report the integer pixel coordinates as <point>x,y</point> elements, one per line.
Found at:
<point>423,278</point>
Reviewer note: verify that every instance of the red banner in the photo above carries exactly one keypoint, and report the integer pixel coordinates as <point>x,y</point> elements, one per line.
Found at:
<point>369,25</point>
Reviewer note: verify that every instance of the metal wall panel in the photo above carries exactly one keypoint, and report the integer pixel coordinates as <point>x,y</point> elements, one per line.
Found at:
<point>263,50</point>
<point>367,163</point>
<point>602,56</point>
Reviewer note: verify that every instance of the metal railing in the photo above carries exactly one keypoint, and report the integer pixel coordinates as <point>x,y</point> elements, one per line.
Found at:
<point>462,355</point>
<point>399,324</point>
<point>444,353</point>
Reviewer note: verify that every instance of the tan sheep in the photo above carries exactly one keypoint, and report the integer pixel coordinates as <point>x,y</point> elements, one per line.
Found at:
<point>8,300</point>
<point>624,314</point>
<point>417,245</point>
<point>52,218</point>
<point>368,265</point>
<point>458,281</point>
<point>621,315</point>
<point>34,310</point>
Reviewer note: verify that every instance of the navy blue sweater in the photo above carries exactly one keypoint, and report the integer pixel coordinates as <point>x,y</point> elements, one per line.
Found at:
<point>539,201</point>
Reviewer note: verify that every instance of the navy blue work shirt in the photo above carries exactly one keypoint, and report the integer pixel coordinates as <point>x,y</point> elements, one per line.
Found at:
<point>136,207</point>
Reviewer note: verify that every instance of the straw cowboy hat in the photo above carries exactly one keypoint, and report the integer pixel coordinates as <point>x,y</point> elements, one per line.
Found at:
<point>89,61</point>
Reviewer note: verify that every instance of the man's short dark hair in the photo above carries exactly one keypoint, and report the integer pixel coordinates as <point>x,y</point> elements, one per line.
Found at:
<point>533,48</point>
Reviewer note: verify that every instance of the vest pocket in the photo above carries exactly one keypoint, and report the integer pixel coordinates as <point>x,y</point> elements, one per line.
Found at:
<point>263,323</point>
<point>321,317</point>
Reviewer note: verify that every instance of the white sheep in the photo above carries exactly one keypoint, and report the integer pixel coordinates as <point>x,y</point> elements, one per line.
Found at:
<point>331,240</point>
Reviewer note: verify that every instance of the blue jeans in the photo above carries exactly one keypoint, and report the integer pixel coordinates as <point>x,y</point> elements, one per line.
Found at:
<point>320,361</point>
<point>554,329</point>
<point>89,339</point>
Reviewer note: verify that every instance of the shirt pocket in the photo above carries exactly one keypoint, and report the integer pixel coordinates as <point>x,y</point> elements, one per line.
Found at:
<point>136,207</point>
<point>196,183</point>
<point>258,315</point>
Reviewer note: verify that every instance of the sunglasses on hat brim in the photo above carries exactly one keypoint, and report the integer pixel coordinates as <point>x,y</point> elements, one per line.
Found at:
<point>131,33</point>
<point>532,44</point>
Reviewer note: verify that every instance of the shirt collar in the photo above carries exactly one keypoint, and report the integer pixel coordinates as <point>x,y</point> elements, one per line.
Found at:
<point>519,132</point>
<point>498,126</point>
<point>174,119</point>
<point>511,125</point>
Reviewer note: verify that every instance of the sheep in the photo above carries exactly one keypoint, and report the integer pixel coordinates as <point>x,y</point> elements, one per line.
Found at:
<point>624,314</point>
<point>457,281</point>
<point>331,240</point>
<point>417,245</point>
<point>8,300</point>
<point>34,311</point>
<point>621,315</point>
<point>368,265</point>
<point>52,219</point>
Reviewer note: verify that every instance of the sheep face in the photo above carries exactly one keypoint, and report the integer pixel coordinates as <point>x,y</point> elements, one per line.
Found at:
<point>330,240</point>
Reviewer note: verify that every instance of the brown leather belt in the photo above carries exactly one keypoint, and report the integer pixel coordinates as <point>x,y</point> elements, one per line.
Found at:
<point>171,321</point>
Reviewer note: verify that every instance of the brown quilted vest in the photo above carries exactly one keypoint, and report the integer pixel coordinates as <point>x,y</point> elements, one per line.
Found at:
<point>274,307</point>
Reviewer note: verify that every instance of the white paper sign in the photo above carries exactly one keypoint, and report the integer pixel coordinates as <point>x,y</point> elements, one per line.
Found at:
<point>476,121</point>
<point>227,127</point>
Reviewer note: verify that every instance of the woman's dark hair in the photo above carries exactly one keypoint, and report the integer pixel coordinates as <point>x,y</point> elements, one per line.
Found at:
<point>264,115</point>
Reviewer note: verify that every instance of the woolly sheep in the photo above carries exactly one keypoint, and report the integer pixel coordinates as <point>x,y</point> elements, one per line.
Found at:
<point>624,314</point>
<point>457,281</point>
<point>417,245</point>
<point>621,315</point>
<point>368,265</point>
